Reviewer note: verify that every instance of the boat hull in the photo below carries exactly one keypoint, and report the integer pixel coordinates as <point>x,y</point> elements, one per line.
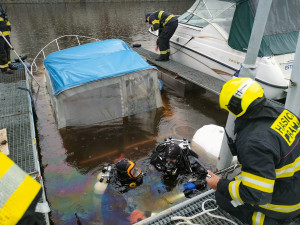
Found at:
<point>206,50</point>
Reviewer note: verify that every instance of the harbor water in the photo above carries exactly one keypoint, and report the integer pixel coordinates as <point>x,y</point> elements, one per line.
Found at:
<point>71,158</point>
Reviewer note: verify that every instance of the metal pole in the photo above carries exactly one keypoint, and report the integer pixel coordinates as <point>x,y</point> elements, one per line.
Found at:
<point>293,95</point>
<point>249,66</point>
<point>248,70</point>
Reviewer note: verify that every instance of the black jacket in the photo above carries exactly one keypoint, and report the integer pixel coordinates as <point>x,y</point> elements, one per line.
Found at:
<point>269,152</point>
<point>160,19</point>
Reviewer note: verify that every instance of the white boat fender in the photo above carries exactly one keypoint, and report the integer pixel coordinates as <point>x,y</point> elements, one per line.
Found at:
<point>208,139</point>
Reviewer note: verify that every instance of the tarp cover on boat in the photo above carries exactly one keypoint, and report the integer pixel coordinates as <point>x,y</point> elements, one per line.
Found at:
<point>91,62</point>
<point>237,18</point>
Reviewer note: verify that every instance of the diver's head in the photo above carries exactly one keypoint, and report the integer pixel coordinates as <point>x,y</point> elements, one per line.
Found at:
<point>238,94</point>
<point>172,159</point>
<point>128,173</point>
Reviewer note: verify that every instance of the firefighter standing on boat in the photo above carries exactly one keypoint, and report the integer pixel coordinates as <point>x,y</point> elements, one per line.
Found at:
<point>5,28</point>
<point>267,146</point>
<point>166,25</point>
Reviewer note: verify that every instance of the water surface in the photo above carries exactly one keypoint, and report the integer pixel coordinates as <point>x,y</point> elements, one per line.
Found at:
<point>72,158</point>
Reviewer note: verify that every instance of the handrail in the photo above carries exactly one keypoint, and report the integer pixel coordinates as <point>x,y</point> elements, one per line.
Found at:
<point>56,41</point>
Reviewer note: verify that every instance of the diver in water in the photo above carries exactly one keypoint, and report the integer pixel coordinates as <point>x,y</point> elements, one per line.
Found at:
<point>123,176</point>
<point>114,183</point>
<point>176,161</point>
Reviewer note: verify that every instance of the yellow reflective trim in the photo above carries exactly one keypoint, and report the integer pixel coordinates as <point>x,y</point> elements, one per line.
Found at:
<point>1,19</point>
<point>255,177</point>
<point>237,191</point>
<point>257,182</point>
<point>257,187</point>
<point>5,164</point>
<point>8,23</point>
<point>287,125</point>
<point>163,52</point>
<point>4,66</point>
<point>155,21</point>
<point>289,169</point>
<point>160,14</point>
<point>129,168</point>
<point>167,20</point>
<point>20,200</point>
<point>6,33</point>
<point>234,190</point>
<point>258,218</point>
<point>281,208</point>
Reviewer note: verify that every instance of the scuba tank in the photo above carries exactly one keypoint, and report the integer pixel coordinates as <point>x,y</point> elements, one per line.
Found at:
<point>103,180</point>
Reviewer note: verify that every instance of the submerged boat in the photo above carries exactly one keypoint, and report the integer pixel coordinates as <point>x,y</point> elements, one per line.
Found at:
<point>100,81</point>
<point>213,36</point>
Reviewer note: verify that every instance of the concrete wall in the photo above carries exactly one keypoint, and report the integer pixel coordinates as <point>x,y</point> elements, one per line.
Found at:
<point>70,1</point>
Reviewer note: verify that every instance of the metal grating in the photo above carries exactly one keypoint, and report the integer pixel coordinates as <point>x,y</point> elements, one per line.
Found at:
<point>14,99</point>
<point>190,208</point>
<point>16,117</point>
<point>20,141</point>
<point>201,79</point>
<point>11,78</point>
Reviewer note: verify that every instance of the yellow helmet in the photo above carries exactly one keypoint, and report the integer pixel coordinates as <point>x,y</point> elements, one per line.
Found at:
<point>237,94</point>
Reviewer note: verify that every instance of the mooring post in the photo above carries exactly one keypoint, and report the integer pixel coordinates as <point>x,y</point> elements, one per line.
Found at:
<point>248,70</point>
<point>293,95</point>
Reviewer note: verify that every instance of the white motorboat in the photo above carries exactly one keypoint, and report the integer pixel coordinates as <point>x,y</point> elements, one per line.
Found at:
<point>213,35</point>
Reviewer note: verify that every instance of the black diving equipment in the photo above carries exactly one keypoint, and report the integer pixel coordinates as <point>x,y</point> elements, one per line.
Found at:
<point>173,159</point>
<point>121,176</point>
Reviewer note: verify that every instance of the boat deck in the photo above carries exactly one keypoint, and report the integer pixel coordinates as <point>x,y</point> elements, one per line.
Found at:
<point>201,79</point>
<point>16,116</point>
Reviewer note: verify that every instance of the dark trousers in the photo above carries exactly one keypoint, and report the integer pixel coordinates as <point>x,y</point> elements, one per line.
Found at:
<point>164,38</point>
<point>244,212</point>
<point>4,53</point>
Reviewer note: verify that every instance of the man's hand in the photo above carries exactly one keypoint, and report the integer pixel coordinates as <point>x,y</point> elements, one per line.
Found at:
<point>213,180</point>
<point>156,48</point>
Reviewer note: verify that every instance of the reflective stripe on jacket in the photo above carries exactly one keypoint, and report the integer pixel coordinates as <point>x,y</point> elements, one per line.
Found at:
<point>160,19</point>
<point>5,26</point>
<point>17,191</point>
<point>269,151</point>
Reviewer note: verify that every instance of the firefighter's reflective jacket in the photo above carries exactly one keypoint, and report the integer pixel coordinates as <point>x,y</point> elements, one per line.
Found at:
<point>160,19</point>
<point>5,26</point>
<point>268,149</point>
<point>17,191</point>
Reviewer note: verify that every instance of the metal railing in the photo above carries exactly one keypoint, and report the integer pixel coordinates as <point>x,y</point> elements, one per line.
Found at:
<point>42,51</point>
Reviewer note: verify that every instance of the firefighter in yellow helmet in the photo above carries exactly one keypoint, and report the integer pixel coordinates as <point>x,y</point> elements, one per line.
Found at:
<point>268,149</point>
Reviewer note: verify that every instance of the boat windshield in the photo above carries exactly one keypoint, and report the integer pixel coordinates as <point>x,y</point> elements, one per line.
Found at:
<point>204,12</point>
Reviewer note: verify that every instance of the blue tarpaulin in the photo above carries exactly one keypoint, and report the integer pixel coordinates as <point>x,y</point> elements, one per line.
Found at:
<point>91,62</point>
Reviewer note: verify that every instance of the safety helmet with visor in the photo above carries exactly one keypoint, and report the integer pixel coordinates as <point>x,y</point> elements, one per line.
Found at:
<point>238,94</point>
<point>128,168</point>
